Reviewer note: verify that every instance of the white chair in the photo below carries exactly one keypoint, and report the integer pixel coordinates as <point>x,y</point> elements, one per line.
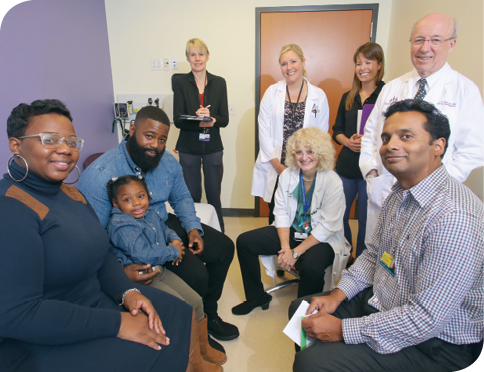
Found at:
<point>206,213</point>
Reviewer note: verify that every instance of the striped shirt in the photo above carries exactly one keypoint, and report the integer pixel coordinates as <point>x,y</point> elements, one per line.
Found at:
<point>435,234</point>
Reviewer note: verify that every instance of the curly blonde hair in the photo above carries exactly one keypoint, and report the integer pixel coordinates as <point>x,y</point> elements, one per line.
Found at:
<point>313,139</point>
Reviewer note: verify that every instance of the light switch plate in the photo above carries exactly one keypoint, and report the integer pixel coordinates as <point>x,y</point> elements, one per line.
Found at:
<point>156,64</point>
<point>174,63</point>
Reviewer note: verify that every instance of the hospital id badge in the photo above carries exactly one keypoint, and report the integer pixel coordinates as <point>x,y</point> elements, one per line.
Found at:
<point>300,236</point>
<point>204,137</point>
<point>387,263</point>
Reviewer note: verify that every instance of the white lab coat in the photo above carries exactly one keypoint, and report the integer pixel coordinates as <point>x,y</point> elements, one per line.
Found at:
<point>327,210</point>
<point>455,96</point>
<point>271,123</point>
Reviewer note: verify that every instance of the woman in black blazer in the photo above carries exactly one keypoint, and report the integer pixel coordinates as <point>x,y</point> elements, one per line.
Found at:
<point>202,94</point>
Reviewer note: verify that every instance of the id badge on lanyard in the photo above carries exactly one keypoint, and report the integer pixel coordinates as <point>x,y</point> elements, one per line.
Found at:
<point>388,263</point>
<point>304,226</point>
<point>204,136</point>
<point>300,236</point>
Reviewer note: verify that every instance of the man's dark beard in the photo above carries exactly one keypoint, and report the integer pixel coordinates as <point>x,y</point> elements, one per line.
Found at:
<point>138,154</point>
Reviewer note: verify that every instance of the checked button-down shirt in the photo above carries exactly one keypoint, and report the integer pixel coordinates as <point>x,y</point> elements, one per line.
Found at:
<point>435,234</point>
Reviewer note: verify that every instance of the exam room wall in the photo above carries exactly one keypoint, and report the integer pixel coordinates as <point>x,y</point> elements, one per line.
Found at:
<point>141,30</point>
<point>59,49</point>
<point>467,56</point>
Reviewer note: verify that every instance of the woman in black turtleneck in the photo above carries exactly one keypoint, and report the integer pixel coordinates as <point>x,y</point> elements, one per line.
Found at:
<point>61,287</point>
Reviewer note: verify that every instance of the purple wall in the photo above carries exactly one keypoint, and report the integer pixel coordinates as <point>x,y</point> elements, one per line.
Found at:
<point>59,49</point>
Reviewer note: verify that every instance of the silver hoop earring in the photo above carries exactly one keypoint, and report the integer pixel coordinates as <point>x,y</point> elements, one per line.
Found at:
<point>79,176</point>
<point>8,168</point>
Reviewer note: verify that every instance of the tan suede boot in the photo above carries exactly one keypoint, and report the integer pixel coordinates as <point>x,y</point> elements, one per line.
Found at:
<point>193,341</point>
<point>196,362</point>
<point>200,365</point>
<point>208,353</point>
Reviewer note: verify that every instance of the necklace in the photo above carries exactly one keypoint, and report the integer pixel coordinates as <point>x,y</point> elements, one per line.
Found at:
<point>308,180</point>
<point>294,106</point>
<point>201,81</point>
<point>298,97</point>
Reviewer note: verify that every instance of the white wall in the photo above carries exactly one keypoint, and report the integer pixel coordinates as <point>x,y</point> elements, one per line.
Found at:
<point>467,57</point>
<point>143,29</point>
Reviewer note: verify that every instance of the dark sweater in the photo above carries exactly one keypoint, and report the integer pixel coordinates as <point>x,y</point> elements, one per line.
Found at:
<point>61,288</point>
<point>347,163</point>
<point>55,264</point>
<point>186,101</point>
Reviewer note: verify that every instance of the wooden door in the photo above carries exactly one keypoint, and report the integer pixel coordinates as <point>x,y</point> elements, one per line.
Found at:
<point>328,39</point>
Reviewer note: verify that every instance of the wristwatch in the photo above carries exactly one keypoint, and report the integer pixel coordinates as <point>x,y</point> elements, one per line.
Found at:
<point>294,254</point>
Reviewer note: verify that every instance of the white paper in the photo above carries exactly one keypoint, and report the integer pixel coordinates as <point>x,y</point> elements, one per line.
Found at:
<point>293,328</point>
<point>358,121</point>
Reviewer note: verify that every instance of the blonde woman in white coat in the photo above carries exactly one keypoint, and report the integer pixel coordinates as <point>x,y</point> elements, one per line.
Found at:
<point>308,234</point>
<point>289,105</point>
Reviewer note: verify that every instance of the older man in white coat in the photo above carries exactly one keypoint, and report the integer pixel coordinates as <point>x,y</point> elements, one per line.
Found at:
<point>433,38</point>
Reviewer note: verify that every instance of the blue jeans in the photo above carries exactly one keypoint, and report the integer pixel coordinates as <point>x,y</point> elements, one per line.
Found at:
<point>351,187</point>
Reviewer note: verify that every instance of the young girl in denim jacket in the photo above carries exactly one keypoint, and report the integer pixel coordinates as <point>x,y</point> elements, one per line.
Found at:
<point>136,232</point>
<point>139,236</point>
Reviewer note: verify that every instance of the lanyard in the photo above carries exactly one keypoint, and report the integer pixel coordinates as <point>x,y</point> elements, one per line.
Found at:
<point>293,108</point>
<point>205,130</point>
<point>306,201</point>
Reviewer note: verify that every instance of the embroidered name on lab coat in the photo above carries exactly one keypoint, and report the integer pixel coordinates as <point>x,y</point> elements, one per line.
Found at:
<point>444,103</point>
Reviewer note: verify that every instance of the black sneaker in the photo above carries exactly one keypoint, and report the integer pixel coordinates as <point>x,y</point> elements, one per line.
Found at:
<point>221,330</point>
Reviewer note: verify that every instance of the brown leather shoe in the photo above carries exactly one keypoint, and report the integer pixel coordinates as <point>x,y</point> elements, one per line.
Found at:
<point>208,353</point>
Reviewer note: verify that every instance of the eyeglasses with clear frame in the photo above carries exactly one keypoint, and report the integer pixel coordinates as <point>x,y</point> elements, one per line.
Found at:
<point>54,140</point>
<point>435,41</point>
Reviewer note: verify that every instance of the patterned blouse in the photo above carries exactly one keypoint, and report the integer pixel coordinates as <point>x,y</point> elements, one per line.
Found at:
<point>293,121</point>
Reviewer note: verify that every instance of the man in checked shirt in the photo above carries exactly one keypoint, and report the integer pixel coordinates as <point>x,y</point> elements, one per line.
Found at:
<point>414,300</point>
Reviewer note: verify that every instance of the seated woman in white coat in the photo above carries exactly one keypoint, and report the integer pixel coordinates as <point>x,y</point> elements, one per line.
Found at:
<point>308,234</point>
<point>289,105</point>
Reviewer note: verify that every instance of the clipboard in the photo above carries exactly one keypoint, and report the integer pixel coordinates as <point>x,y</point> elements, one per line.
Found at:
<point>196,118</point>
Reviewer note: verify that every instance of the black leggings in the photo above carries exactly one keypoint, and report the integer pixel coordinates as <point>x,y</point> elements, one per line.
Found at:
<point>213,171</point>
